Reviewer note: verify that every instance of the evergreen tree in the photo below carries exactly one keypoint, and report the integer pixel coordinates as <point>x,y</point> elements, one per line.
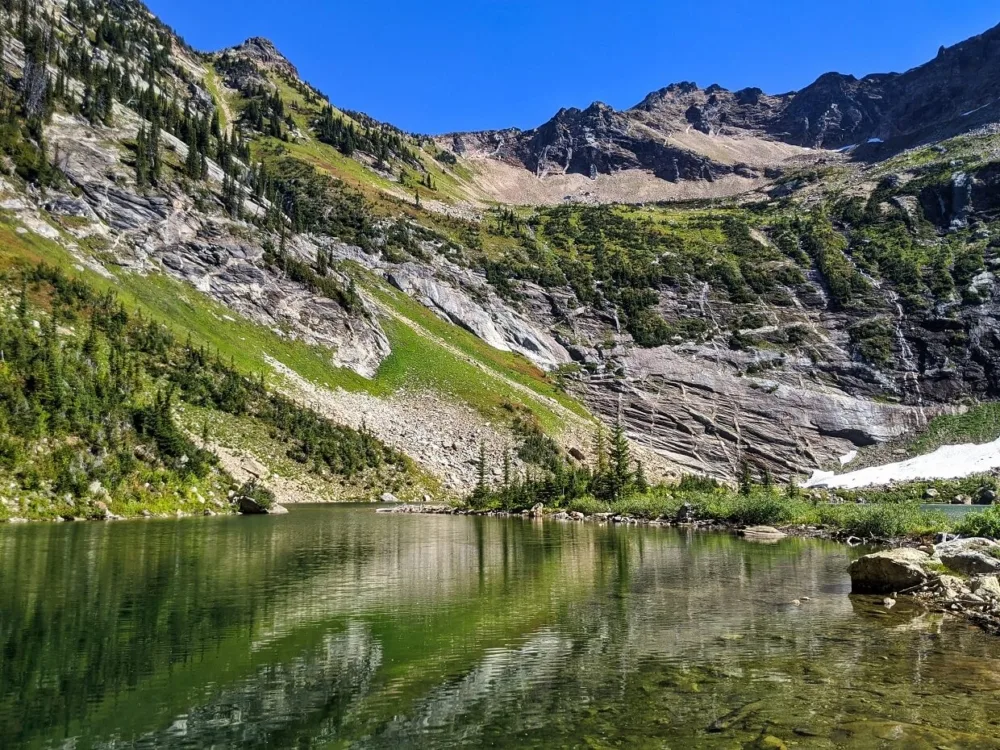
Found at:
<point>141,158</point>
<point>766,479</point>
<point>154,159</point>
<point>192,164</point>
<point>620,464</point>
<point>600,451</point>
<point>792,490</point>
<point>22,303</point>
<point>745,478</point>
<point>641,484</point>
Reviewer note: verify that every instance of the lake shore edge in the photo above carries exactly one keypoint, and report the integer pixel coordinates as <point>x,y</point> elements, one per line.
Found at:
<point>943,573</point>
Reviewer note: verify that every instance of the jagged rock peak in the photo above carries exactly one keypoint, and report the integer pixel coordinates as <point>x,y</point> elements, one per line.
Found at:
<point>264,52</point>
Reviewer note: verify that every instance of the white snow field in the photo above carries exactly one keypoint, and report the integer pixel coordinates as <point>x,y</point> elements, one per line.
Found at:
<point>947,462</point>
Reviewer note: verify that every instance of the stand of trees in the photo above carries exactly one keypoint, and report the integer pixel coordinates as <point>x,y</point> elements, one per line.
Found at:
<point>614,476</point>
<point>97,404</point>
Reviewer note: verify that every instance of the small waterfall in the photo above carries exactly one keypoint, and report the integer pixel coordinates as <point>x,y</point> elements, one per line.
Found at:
<point>911,374</point>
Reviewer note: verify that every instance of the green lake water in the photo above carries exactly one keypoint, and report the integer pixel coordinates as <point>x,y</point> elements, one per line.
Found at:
<point>339,627</point>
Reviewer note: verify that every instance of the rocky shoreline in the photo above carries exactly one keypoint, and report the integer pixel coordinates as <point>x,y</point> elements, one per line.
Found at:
<point>954,576</point>
<point>960,577</point>
<point>101,512</point>
<point>685,518</point>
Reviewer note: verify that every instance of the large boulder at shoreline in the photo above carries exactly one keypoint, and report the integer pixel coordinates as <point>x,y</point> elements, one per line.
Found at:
<point>251,507</point>
<point>973,556</point>
<point>889,571</point>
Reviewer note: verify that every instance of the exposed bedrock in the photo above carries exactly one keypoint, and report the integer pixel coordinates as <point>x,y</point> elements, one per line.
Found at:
<point>708,420</point>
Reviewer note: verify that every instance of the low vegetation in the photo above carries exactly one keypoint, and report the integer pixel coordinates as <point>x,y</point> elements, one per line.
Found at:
<point>616,485</point>
<point>87,410</point>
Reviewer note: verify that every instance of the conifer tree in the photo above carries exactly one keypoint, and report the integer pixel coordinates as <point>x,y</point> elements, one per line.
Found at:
<point>745,478</point>
<point>192,164</point>
<point>792,490</point>
<point>141,158</point>
<point>641,484</point>
<point>620,459</point>
<point>765,476</point>
<point>154,159</point>
<point>600,451</point>
<point>22,303</point>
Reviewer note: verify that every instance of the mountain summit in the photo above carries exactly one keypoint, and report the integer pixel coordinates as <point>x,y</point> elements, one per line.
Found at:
<point>683,133</point>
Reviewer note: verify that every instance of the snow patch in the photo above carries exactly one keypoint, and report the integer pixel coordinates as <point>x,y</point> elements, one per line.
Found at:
<point>947,462</point>
<point>847,458</point>
<point>875,140</point>
<point>847,149</point>
<point>973,111</point>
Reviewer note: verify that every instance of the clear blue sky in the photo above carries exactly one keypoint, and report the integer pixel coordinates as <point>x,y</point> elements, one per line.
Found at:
<point>435,66</point>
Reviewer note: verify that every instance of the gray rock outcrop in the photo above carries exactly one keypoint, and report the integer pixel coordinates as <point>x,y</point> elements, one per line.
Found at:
<point>973,556</point>
<point>486,317</point>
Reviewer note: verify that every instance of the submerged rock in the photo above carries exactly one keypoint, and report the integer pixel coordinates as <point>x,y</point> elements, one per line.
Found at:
<point>762,533</point>
<point>889,571</point>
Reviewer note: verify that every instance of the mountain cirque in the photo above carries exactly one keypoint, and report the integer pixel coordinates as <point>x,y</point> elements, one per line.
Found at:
<point>684,142</point>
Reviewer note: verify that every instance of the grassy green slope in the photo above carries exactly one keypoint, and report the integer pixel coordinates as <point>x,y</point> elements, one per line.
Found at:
<point>427,352</point>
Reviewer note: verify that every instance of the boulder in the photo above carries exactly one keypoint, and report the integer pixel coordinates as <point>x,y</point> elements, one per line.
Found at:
<point>101,512</point>
<point>889,571</point>
<point>537,511</point>
<point>388,497</point>
<point>762,533</point>
<point>250,507</point>
<point>254,468</point>
<point>969,556</point>
<point>930,494</point>
<point>987,587</point>
<point>986,496</point>
<point>761,530</point>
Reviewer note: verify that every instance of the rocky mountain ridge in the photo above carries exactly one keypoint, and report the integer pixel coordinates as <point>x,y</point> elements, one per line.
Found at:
<point>753,135</point>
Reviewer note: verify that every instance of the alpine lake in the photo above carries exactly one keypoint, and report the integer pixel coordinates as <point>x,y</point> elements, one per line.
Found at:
<point>336,627</point>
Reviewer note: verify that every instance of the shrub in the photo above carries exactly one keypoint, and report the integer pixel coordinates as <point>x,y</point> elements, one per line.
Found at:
<point>873,340</point>
<point>259,494</point>
<point>986,523</point>
<point>697,483</point>
<point>758,509</point>
<point>881,520</point>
